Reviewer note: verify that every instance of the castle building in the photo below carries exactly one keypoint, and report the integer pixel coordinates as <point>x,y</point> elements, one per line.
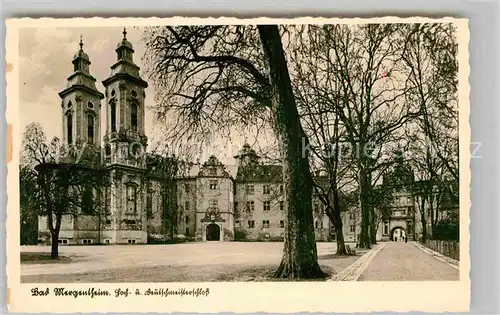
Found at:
<point>150,201</point>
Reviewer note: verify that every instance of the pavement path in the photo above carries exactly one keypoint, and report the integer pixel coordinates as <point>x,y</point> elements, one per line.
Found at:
<point>398,261</point>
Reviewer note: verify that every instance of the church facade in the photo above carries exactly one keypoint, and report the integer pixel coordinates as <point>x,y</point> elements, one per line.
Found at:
<point>210,202</point>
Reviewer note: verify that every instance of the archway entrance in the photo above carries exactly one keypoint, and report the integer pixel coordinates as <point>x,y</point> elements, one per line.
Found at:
<point>398,234</point>
<point>213,232</point>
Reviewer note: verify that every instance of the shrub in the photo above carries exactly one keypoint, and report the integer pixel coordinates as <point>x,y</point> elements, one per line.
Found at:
<point>447,230</point>
<point>240,235</point>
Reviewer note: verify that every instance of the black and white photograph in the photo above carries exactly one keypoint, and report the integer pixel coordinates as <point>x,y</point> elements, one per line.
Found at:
<point>241,152</point>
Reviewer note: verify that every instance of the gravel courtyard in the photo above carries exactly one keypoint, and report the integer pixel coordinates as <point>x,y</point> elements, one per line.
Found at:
<point>211,261</point>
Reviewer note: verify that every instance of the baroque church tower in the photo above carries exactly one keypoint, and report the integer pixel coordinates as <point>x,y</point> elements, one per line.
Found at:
<point>125,148</point>
<point>81,105</point>
<point>125,137</point>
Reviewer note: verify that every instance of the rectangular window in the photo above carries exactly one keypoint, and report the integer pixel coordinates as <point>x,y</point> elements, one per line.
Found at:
<point>281,189</point>
<point>386,228</point>
<point>267,190</point>
<point>186,188</point>
<point>351,216</point>
<point>282,224</point>
<point>187,219</point>
<point>213,184</point>
<point>186,206</point>
<point>403,211</point>
<point>316,207</point>
<point>250,206</point>
<point>235,207</point>
<point>267,205</point>
<point>187,231</point>
<point>352,228</point>
<point>251,224</point>
<point>282,205</point>
<point>213,203</point>
<point>316,224</point>
<point>265,223</point>
<point>250,189</point>
<point>237,224</point>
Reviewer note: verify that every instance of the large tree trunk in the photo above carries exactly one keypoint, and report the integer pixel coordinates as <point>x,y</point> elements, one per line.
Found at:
<point>300,258</point>
<point>373,226</point>
<point>364,237</point>
<point>341,251</point>
<point>54,248</point>
<point>54,238</point>
<point>424,221</point>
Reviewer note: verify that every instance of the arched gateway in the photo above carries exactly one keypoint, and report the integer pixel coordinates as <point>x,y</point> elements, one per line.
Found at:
<point>398,233</point>
<point>213,232</point>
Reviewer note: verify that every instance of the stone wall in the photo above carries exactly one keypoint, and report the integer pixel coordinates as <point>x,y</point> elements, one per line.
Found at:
<point>448,248</point>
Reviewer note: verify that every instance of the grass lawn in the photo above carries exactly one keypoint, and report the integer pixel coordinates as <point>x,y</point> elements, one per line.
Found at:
<point>42,258</point>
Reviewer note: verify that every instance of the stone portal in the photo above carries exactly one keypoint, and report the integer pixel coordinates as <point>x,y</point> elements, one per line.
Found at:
<point>213,232</point>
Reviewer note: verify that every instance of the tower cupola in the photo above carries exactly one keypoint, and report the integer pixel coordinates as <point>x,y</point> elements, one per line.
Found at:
<point>81,104</point>
<point>124,49</point>
<point>81,60</point>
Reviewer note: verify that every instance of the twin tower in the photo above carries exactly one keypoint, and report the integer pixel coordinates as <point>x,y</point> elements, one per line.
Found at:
<point>123,101</point>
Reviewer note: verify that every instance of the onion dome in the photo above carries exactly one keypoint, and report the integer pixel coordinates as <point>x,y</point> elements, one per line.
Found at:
<point>124,42</point>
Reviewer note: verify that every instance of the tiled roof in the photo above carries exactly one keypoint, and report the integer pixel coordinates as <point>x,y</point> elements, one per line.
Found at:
<point>260,173</point>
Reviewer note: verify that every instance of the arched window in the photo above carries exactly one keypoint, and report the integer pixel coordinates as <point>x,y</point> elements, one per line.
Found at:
<point>90,128</point>
<point>69,125</point>
<point>131,198</point>
<point>112,106</point>
<point>133,116</point>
